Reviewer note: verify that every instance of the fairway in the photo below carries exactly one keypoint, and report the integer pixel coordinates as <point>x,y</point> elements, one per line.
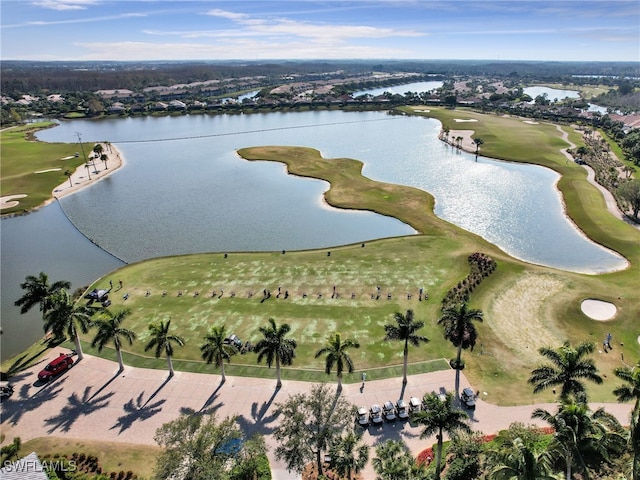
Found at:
<point>354,290</point>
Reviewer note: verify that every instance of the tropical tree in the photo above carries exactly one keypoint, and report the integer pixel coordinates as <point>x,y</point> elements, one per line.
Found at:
<point>459,328</point>
<point>309,424</point>
<point>68,174</point>
<point>582,435</point>
<point>439,417</point>
<point>104,159</point>
<point>65,317</point>
<point>38,291</point>
<point>625,393</point>
<point>518,454</point>
<point>567,370</point>
<point>478,142</point>
<point>163,342</point>
<point>98,149</point>
<point>629,191</point>
<point>347,457</point>
<point>110,330</point>
<point>275,347</point>
<point>405,330</point>
<point>394,461</point>
<point>216,350</point>
<point>336,352</point>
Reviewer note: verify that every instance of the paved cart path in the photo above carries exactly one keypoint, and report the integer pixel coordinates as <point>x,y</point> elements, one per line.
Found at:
<point>91,402</point>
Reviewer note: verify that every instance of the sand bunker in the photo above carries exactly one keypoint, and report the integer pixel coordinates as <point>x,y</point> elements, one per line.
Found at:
<point>50,170</point>
<point>8,201</point>
<point>598,310</point>
<point>460,120</point>
<point>530,122</point>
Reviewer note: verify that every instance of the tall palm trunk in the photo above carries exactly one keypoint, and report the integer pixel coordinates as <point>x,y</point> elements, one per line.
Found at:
<point>120,362</point>
<point>170,363</point>
<point>340,383</point>
<point>439,455</point>
<point>406,360</point>
<point>76,340</point>
<point>224,378</point>
<point>459,355</point>
<point>279,382</point>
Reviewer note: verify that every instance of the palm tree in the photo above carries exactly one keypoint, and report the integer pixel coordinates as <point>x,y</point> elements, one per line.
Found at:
<point>567,369</point>
<point>625,393</point>
<point>439,416</point>
<point>215,350</point>
<point>394,461</point>
<point>68,174</point>
<point>104,159</point>
<point>582,434</point>
<point>478,142</point>
<point>65,317</point>
<point>110,330</point>
<point>38,292</point>
<point>405,330</point>
<point>347,456</point>
<point>163,342</point>
<point>519,458</point>
<point>459,328</point>
<point>336,352</point>
<point>274,347</point>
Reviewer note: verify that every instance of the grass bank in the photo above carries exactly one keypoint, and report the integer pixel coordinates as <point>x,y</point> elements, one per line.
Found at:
<point>526,306</point>
<point>34,168</point>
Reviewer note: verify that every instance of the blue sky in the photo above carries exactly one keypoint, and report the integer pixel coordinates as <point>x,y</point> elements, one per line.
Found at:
<point>579,30</point>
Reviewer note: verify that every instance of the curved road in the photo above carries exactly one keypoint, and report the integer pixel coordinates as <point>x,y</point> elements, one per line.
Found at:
<point>91,402</point>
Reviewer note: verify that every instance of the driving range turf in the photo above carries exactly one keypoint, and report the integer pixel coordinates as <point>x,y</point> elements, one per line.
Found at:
<point>525,306</point>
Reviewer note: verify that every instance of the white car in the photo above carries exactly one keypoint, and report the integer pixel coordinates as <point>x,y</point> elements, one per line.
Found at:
<point>389,411</point>
<point>402,409</point>
<point>375,414</point>
<point>415,405</point>
<point>362,417</point>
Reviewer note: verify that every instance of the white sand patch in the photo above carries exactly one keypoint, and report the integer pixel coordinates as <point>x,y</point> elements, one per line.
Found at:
<point>460,120</point>
<point>68,158</point>
<point>422,111</point>
<point>50,170</point>
<point>598,310</point>
<point>530,122</point>
<point>518,315</point>
<point>8,201</point>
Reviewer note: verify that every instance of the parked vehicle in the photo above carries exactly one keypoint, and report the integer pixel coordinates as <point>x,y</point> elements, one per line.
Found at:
<point>468,398</point>
<point>414,405</point>
<point>375,414</point>
<point>362,417</point>
<point>233,340</point>
<point>402,409</point>
<point>57,366</point>
<point>389,411</point>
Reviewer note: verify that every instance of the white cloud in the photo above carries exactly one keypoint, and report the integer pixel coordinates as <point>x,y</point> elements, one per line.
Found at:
<point>65,4</point>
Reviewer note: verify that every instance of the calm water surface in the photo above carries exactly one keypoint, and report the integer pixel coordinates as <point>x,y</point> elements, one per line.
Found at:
<point>195,194</point>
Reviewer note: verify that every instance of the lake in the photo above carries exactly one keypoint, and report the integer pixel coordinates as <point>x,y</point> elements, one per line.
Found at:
<point>184,189</point>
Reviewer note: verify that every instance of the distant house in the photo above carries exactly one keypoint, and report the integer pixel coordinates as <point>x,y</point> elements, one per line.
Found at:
<point>177,105</point>
<point>117,107</point>
<point>27,468</point>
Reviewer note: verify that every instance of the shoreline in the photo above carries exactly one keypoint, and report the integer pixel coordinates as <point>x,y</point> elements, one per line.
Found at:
<point>83,177</point>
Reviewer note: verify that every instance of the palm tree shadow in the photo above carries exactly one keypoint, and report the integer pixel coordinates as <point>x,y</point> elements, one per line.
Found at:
<point>14,407</point>
<point>137,411</point>
<point>76,408</point>
<point>106,384</point>
<point>157,391</point>
<point>260,423</point>
<point>206,407</point>
<point>404,386</point>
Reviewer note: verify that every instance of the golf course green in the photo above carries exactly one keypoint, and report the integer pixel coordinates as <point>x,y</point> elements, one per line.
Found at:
<point>355,289</point>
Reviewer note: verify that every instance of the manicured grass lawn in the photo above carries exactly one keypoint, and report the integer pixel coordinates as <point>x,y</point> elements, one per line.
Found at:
<point>112,456</point>
<point>21,158</point>
<point>525,306</point>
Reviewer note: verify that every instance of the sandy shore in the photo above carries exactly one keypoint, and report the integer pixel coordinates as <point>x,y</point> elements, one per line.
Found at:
<point>83,176</point>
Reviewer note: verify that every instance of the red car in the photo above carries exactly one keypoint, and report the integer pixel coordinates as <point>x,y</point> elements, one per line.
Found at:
<point>63,362</point>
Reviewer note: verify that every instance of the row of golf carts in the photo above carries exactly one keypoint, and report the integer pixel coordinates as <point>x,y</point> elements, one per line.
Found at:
<point>402,410</point>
